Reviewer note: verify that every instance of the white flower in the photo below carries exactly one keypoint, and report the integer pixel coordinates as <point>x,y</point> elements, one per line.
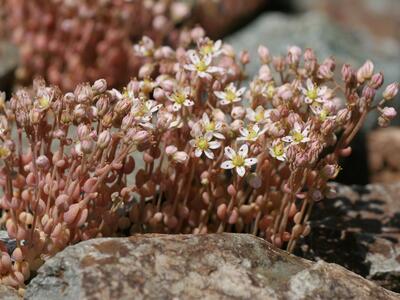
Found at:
<point>277,150</point>
<point>320,111</point>
<point>211,48</point>
<point>238,160</point>
<point>212,126</point>
<point>145,47</point>
<point>44,99</point>
<point>143,110</point>
<point>314,93</point>
<point>297,135</point>
<point>251,133</point>
<point>180,98</point>
<point>201,65</point>
<point>230,95</point>
<point>204,144</point>
<point>259,116</point>
<point>268,91</point>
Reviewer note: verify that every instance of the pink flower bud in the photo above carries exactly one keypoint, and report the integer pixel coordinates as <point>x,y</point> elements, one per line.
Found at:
<point>238,112</point>
<point>294,54</point>
<point>180,156</point>
<point>376,80</point>
<point>103,139</point>
<point>42,162</point>
<point>264,55</point>
<point>309,55</point>
<point>389,112</point>
<point>285,92</point>
<point>365,71</point>
<point>325,72</point>
<point>197,33</point>
<point>347,73</point>
<point>391,91</point>
<point>244,57</point>
<point>265,73</point>
<point>99,86</point>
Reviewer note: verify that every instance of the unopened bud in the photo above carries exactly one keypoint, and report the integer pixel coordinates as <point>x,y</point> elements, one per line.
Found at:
<point>376,81</point>
<point>391,91</point>
<point>264,55</point>
<point>99,86</point>
<point>42,162</point>
<point>365,71</point>
<point>104,139</point>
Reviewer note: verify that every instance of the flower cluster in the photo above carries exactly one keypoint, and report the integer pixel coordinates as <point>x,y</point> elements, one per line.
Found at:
<point>185,148</point>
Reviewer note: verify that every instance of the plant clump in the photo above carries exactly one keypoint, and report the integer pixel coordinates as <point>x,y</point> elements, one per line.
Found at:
<point>185,148</point>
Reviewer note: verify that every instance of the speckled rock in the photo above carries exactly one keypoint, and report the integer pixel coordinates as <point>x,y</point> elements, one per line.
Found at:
<point>381,18</point>
<point>384,154</point>
<point>8,64</point>
<point>8,293</point>
<point>214,266</point>
<point>360,230</point>
<point>278,31</point>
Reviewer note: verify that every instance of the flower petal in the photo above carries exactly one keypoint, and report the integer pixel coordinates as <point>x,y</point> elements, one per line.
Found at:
<point>188,102</point>
<point>198,152</point>
<point>250,161</point>
<point>287,139</point>
<point>176,107</point>
<point>241,91</point>
<point>229,152</point>
<point>244,150</point>
<point>227,165</point>
<point>209,154</point>
<point>241,171</point>
<point>214,145</point>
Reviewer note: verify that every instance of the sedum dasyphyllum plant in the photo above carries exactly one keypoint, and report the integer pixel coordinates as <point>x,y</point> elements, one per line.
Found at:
<point>186,148</point>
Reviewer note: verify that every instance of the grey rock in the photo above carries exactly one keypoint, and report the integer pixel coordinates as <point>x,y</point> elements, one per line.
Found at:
<point>8,293</point>
<point>8,64</point>
<point>360,230</point>
<point>314,30</point>
<point>212,266</point>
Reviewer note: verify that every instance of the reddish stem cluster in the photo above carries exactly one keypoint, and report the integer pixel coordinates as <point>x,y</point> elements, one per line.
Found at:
<point>184,148</point>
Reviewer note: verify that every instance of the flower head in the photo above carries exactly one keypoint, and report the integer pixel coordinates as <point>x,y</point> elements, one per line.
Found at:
<point>258,116</point>
<point>213,127</point>
<point>251,133</point>
<point>278,150</point>
<point>230,95</point>
<point>180,97</point>
<point>297,135</point>
<point>203,143</point>
<point>209,47</point>
<point>143,110</point>
<point>145,47</point>
<point>202,66</point>
<point>314,93</point>
<point>239,160</point>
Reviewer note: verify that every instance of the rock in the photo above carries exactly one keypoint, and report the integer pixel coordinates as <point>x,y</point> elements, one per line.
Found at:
<point>360,230</point>
<point>220,17</point>
<point>381,18</point>
<point>8,293</point>
<point>384,154</point>
<point>313,30</point>
<point>212,266</point>
<point>8,64</point>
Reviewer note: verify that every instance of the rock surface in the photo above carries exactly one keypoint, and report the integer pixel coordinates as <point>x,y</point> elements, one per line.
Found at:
<point>215,266</point>
<point>360,230</point>
<point>384,155</point>
<point>8,64</point>
<point>313,30</point>
<point>381,18</point>
<point>8,293</point>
